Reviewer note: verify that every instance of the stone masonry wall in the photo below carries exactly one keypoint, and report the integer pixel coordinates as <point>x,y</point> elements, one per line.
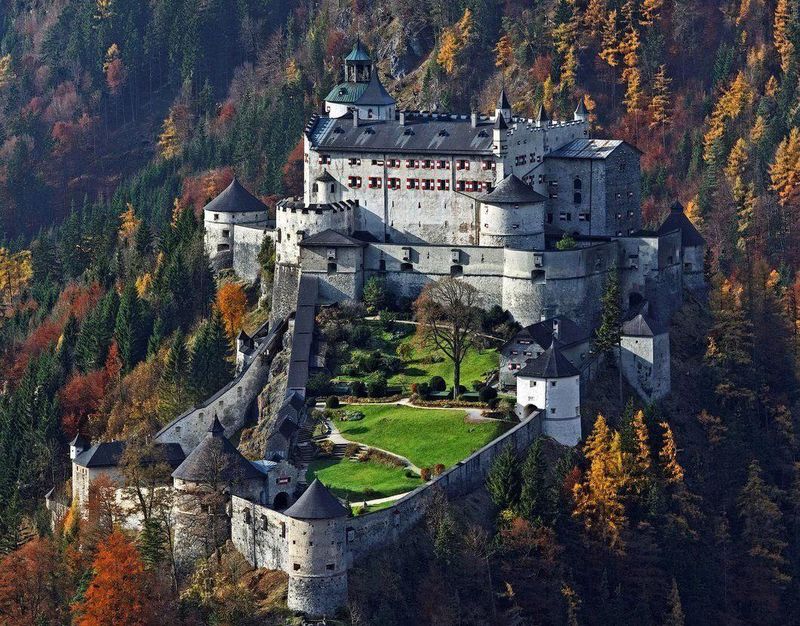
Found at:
<point>247,242</point>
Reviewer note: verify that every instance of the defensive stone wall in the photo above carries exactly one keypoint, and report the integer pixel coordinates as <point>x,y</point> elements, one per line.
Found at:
<point>263,535</point>
<point>247,242</point>
<point>284,290</point>
<point>234,404</point>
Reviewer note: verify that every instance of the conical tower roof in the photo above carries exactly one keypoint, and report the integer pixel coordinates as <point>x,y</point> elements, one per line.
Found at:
<point>359,52</point>
<point>542,116</point>
<point>215,459</point>
<point>581,108</point>
<point>375,94</point>
<point>317,503</point>
<point>549,364</point>
<point>236,199</point>
<point>502,101</point>
<point>511,190</point>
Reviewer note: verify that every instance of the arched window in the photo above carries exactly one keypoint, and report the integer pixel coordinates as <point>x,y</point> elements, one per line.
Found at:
<point>315,187</point>
<point>577,184</point>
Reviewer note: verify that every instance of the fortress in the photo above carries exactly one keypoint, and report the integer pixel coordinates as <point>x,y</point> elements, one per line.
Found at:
<point>535,213</point>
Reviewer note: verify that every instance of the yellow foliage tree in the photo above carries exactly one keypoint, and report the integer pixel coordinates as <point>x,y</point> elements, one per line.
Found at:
<point>504,54</point>
<point>785,171</point>
<point>668,456</point>
<point>660,115</point>
<point>103,10</point>
<point>633,92</point>
<point>169,142</point>
<point>292,72</point>
<point>16,272</point>
<point>448,49</point>
<point>744,199</point>
<point>143,284</point>
<point>737,160</point>
<point>610,44</point>
<point>232,303</point>
<point>597,497</point>
<point>6,71</point>
<point>783,43</point>
<point>692,212</point>
<point>129,223</point>
<point>730,106</point>
<point>651,10</point>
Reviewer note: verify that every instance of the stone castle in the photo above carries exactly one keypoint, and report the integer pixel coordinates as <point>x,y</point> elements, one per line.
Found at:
<point>534,213</point>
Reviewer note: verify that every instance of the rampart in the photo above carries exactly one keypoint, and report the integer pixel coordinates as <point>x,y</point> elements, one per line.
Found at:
<point>234,404</point>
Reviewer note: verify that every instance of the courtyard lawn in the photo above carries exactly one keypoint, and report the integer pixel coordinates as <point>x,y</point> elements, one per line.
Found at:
<point>475,366</point>
<point>419,368</point>
<point>424,436</point>
<point>352,478</point>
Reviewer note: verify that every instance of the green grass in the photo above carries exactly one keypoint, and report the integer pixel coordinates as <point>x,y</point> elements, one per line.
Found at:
<point>350,478</point>
<point>424,436</point>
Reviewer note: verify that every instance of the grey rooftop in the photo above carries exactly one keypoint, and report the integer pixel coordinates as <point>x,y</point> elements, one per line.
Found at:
<point>677,220</point>
<point>236,199</point>
<point>549,364</point>
<point>511,190</point>
<point>317,503</point>
<point>587,149</point>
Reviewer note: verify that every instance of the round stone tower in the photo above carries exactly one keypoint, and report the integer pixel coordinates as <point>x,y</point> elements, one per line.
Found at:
<point>552,384</point>
<point>235,205</point>
<point>317,560</point>
<point>512,215</point>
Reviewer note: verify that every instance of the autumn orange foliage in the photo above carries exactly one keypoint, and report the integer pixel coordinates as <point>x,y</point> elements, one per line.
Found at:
<point>30,585</point>
<point>199,190</point>
<point>119,590</point>
<point>232,303</point>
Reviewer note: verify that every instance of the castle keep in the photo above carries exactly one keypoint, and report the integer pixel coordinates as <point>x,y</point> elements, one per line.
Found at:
<point>535,213</point>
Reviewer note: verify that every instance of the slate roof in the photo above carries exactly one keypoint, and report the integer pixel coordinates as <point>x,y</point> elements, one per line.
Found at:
<point>325,177</point>
<point>421,133</point>
<point>541,115</point>
<point>642,325</point>
<point>581,108</point>
<point>502,101</point>
<point>332,239</point>
<point>375,94</point>
<point>549,364</point>
<point>569,333</point>
<point>677,220</point>
<point>215,458</point>
<point>292,406</point>
<point>246,340</point>
<point>500,122</point>
<point>358,53</point>
<point>316,503</point>
<point>236,199</point>
<point>511,190</point>
<point>587,149</point>
<point>108,454</point>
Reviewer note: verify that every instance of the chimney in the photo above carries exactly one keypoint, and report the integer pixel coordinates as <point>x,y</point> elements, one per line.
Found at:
<point>355,118</point>
<point>402,118</point>
<point>473,119</point>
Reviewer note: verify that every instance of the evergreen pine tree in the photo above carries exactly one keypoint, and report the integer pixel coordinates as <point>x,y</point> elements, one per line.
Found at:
<point>211,367</point>
<point>128,328</point>
<point>607,335</point>
<point>675,617</point>
<point>156,337</point>
<point>533,494</point>
<point>503,481</point>
<point>174,393</point>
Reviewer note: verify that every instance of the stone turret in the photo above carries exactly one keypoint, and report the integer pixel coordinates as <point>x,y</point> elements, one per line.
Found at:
<point>512,214</point>
<point>552,384</point>
<point>317,561</point>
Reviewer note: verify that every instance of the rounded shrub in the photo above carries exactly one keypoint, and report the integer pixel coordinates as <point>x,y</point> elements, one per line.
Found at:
<point>376,385</point>
<point>358,389</point>
<point>437,383</point>
<point>438,469</point>
<point>332,402</point>
<point>487,393</point>
<point>425,473</point>
<point>493,403</point>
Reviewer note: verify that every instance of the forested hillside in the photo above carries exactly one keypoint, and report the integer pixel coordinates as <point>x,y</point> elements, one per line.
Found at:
<point>119,119</point>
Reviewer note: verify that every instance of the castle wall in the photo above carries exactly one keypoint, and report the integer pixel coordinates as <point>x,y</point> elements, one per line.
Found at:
<point>651,267</point>
<point>537,285</point>
<point>694,267</point>
<point>284,290</point>
<point>345,282</point>
<point>234,404</point>
<point>293,223</point>
<point>317,572</point>
<point>220,234</point>
<point>247,242</point>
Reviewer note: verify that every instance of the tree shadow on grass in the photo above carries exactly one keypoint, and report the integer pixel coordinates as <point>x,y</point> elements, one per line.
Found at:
<point>414,371</point>
<point>357,431</point>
